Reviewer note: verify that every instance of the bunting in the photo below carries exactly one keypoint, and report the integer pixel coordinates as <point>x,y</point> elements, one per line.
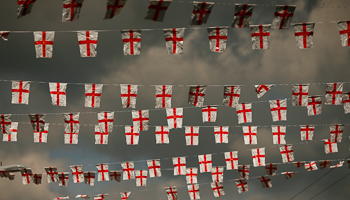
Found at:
<point>288,175</point>
<point>58,93</point>
<point>163,96</point>
<point>279,134</point>
<point>262,89</point>
<point>125,195</point>
<point>300,94</point>
<point>41,136</point>
<point>258,157</point>
<point>12,136</point>
<point>304,35</point>
<point>172,193</point>
<point>101,137</point>
<point>179,166</point>
<point>162,135</point>
<point>115,175</point>
<point>114,7</point>
<point>141,177</point>
<point>24,7</point>
<point>71,10</point>
<point>209,113</point>
<point>278,109</point>
<point>307,132</point>
<point>271,169</point>
<point>260,36</point>
<point>77,172</point>
<point>282,17</point>
<point>205,163</point>
<point>196,95</point>
<point>157,9</point>
<point>174,117</point>
<point>221,134</point>
<point>132,41</point>
<point>140,118</point>
<point>243,15</point>
<point>334,93</point>
<point>5,123</point>
<point>217,38</point>
<point>37,121</point>
<point>250,135</point>
<point>336,132</point>
<point>344,32</point>
<point>71,128</point>
<point>128,170</point>
<point>128,95</point>
<point>218,189</point>
<point>27,176</point>
<point>20,92</point>
<point>265,181</point>
<point>231,96</point>
<point>52,174</point>
<point>299,164</point>
<point>340,164</point>
<point>132,135</point>
<point>346,102</point>
<point>324,164</point>
<point>154,168</point>
<point>87,43</point>
<point>191,175</point>
<point>243,171</point>
<point>37,178</point>
<point>105,121</point>
<point>231,159</point>
<point>311,166</point>
<point>192,135</point>
<point>43,41</point>
<point>201,12</point>
<point>217,174</point>
<point>242,185</point>
<point>93,94</point>
<point>244,113</point>
<point>89,178</point>
<point>314,106</point>
<point>330,147</point>
<point>193,191</point>
<point>63,179</point>
<point>287,153</point>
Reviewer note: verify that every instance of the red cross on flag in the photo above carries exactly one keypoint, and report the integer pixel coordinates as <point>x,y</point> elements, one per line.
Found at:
<point>346,102</point>
<point>271,169</point>
<point>77,172</point>
<point>288,175</point>
<point>83,196</point>
<point>58,93</point>
<point>163,96</point>
<point>205,163</point>
<point>154,168</point>
<point>27,176</point>
<point>307,132</point>
<point>242,185</point>
<point>196,95</point>
<point>71,10</point>
<point>105,121</point>
<point>24,7</point>
<point>209,113</point>
<point>344,32</point>
<point>201,12</point>
<point>174,40</point>
<point>115,175</point>
<point>125,195</point>
<point>340,164</point>
<point>101,137</point>
<point>5,123</point>
<point>52,174</point>
<point>191,175</point>
<point>63,179</point>
<point>300,94</point>
<point>217,38</point>
<point>193,191</point>
<point>93,94</point>
<point>231,95</point>
<point>87,43</point>
<point>12,136</point>
<point>162,135</point>
<point>231,159</point>
<point>250,135</point>
<point>304,35</point>
<point>336,132</point>
<point>41,136</point>
<point>260,36</point>
<point>171,193</point>
<point>221,134</point>
<point>37,121</point>
<point>100,196</point>
<point>287,153</point>
<point>217,174</point>
<point>114,7</point>
<point>330,146</point>
<point>43,41</point>
<point>102,172</point>
<point>140,118</point>
<point>218,189</point>
<point>243,15</point>
<point>132,42</point>
<point>157,9</point>
<point>244,113</point>
<point>37,178</point>
<point>179,166</point>
<point>132,135</point>
<point>128,170</point>
<point>20,92</point>
<point>174,117</point>
<point>311,166</point>
<point>60,198</point>
<point>265,181</point>
<point>128,95</point>
<point>314,106</point>
<point>278,109</point>
<point>262,89</point>
<point>4,35</point>
<point>334,92</point>
<point>299,164</point>
<point>324,164</point>
<point>89,178</point>
<point>141,177</point>
<point>71,128</point>
<point>282,17</point>
<point>279,134</point>
<point>258,156</point>
<point>192,135</point>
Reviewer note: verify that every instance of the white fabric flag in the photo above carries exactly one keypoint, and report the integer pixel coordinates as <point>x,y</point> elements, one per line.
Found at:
<point>125,195</point>
<point>87,43</point>
<point>43,41</point>
<point>221,134</point>
<point>58,93</point>
<point>163,96</point>
<point>344,32</point>
<point>330,147</point>
<point>314,106</point>
<point>231,159</point>
<point>60,198</point>
<point>192,135</point>
<point>4,35</point>
<point>346,102</point>
<point>27,176</point>
<point>271,169</point>
<point>217,38</point>
<point>37,121</point>
<point>287,153</point>
<point>191,175</point>
<point>24,7</point>
<point>307,132</point>
<point>262,89</point>
<point>77,173</point>
<point>128,95</point>
<point>282,17</point>
<point>244,113</point>
<point>89,178</point>
<point>128,170</point>
<point>114,7</point>
<point>311,166</point>
<point>334,93</point>
<point>63,179</point>
<point>141,177</point>
<point>140,118</point>
<point>243,15</point>
<point>154,168</point>
<point>5,123</point>
<point>265,181</point>
<point>218,189</point>
<point>115,175</point>
<point>258,156</point>
<point>71,10</point>
<point>242,185</point>
<point>41,136</point>
<point>132,135</point>
<point>209,113</point>
<point>288,174</point>
<point>300,94</point>
<point>260,36</point>
<point>20,92</point>
<point>12,136</point>
<point>279,134</point>
<point>336,132</point>
<point>157,9</point>
<point>105,121</point>
<point>217,174</point>
<point>324,163</point>
<point>201,12</point>
<point>196,95</point>
<point>93,94</point>
<point>304,35</point>
<point>179,165</point>
<point>278,109</point>
<point>231,96</point>
<point>103,172</point>
<point>71,127</point>
<point>174,40</point>
<point>205,163</point>
<point>340,164</point>
<point>250,135</point>
<point>172,193</point>
<point>193,191</point>
<point>83,196</point>
<point>174,117</point>
<point>52,174</point>
<point>132,42</point>
<point>100,196</point>
<point>162,135</point>
<point>100,136</point>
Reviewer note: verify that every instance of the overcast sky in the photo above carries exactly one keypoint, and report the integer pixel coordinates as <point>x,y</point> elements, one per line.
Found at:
<point>237,65</point>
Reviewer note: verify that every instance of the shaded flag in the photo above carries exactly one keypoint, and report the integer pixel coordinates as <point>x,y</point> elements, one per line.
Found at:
<point>4,35</point>
<point>132,42</point>
<point>171,193</point>
<point>93,94</point>
<point>231,95</point>
<point>336,132</point>
<point>288,175</point>
<point>307,132</point>
<point>282,17</point>
<point>271,169</point>
<point>163,96</point>
<point>262,89</point>
<point>174,117</point>
<point>128,95</point>
<point>105,121</point>
<point>27,176</point>
<point>265,181</point>
<point>287,153</point>
<point>71,10</point>
<point>201,12</point>
<point>260,36</point>
<point>20,92</point>
<point>114,7</point>
<point>304,35</point>
<point>242,185</point>
<point>5,123</point>
<point>324,164</point>
<point>218,189</point>
<point>63,179</point>
<point>217,38</point>
<point>174,40</point>
<point>52,174</point>
<point>243,15</point>
<point>12,136</point>
<point>157,9</point>
<point>24,7</point>
<point>71,128</point>
<point>37,178</point>
<point>299,164</point>
<point>41,136</point>
<point>87,43</point>
<point>191,175</point>
<point>89,178</point>
<point>37,121</point>
<point>300,94</point>
<point>346,102</point>
<point>334,93</point>
<point>115,175</point>
<point>314,106</point>
<point>43,41</point>
<point>196,95</point>
<point>58,93</point>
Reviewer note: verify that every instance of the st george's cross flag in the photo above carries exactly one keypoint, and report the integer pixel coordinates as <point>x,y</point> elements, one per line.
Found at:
<point>27,176</point>
<point>4,35</point>
<point>157,9</point>
<point>101,137</point>
<point>250,135</point>
<point>77,173</point>
<point>174,40</point>
<point>162,135</point>
<point>141,177</point>
<point>12,136</point>
<point>340,164</point>
<point>282,17</point>
<point>43,41</point>
<point>218,189</point>
<point>114,7</point>
<point>102,172</point>
<point>324,164</point>
<point>307,132</point>
<point>128,95</point>
<point>196,95</point>
<point>217,38</point>
<point>163,96</point>
<point>41,136</point>
<point>60,198</point>
<point>52,174</point>
<point>242,185</point>
<point>83,196</point>
<point>201,12</point>
<point>71,127</point>
<point>100,196</point>
<point>193,191</point>
<point>231,159</point>
<point>125,195</point>
<point>5,123</point>
<point>243,15</point>
<point>174,117</point>
<point>191,175</point>
<point>37,179</point>
<point>115,175</point>
<point>334,93</point>
<point>93,93</point>
<point>89,178</point>
<point>271,169</point>
<point>304,34</point>
<point>314,106</point>
<point>299,164</point>
<point>265,181</point>
<point>205,163</point>
<point>231,95</point>
<point>311,166</point>
<point>244,113</point>
<point>140,118</point>
<point>217,173</point>
<point>346,102</point>
<point>179,165</point>
<point>278,109</point>
<point>262,89</point>
<point>344,32</point>
<point>192,135</point>
<point>300,94</point>
<point>260,36</point>
<point>336,132</point>
<point>131,42</point>
<point>128,170</point>
<point>154,168</point>
<point>279,134</point>
<point>37,121</point>
<point>171,193</point>
<point>24,7</point>
<point>87,43</point>
<point>105,121</point>
<point>63,178</point>
<point>209,113</point>
<point>58,93</point>
<point>287,153</point>
<point>288,175</point>
<point>258,156</point>
<point>221,134</point>
<point>330,146</point>
<point>71,10</point>
<point>20,92</point>
<point>132,135</point>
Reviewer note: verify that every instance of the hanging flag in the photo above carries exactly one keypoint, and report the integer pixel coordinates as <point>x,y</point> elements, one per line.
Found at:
<point>218,189</point>
<point>287,153</point>
<point>154,168</point>
<point>171,193</point>
<point>346,102</point>
<point>193,191</point>
<point>231,95</point>
<point>163,96</point>
<point>77,172</point>
<point>288,174</point>
<point>192,135</point>
<point>105,121</point>
<point>102,172</point>
<point>250,134</point>
<point>262,89</point>
<point>243,15</point>
<point>140,118</point>
<point>37,178</point>
<point>334,93</point>
<point>115,175</point>
<point>179,165</point>
<point>59,198</point>
<point>340,164</point>
<point>101,137</point>
<point>217,38</point>
<point>299,164</point>
<point>43,41</point>
<point>128,95</point>
<point>174,39</point>
<point>141,177</point>
<point>4,35</point>
<point>344,32</point>
<point>282,17</point>
<point>311,166</point>
<point>300,94</point>
<point>191,175</point>
<point>41,136</point>
<point>258,156</point>
<point>5,123</point>
<point>279,134</point>
<point>221,134</point>
<point>24,7</point>
<point>20,92</point>
<point>314,106</point>
<point>6,174</point>
<point>324,164</point>
<point>12,136</point>
<point>93,94</point>
<point>87,43</point>
<point>114,7</point>
<point>89,178</point>
<point>63,179</point>
<point>265,181</point>
<point>205,163</point>
<point>231,159</point>
<point>196,95</point>
<point>162,135</point>
<point>209,113</point>
<point>52,174</point>
<point>244,112</point>
<point>217,174</point>
<point>201,12</point>
<point>260,36</point>
<point>71,10</point>
<point>128,170</point>
<point>100,196</point>
<point>242,185</point>
<point>307,132</point>
<point>330,147</point>
<point>58,93</point>
<point>71,128</point>
<point>174,117</point>
<point>278,109</point>
<point>271,169</point>
<point>132,135</point>
<point>27,176</point>
<point>336,132</point>
<point>37,121</point>
<point>132,42</point>
<point>304,35</point>
<point>157,9</point>
<point>83,196</point>
<point>125,195</point>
